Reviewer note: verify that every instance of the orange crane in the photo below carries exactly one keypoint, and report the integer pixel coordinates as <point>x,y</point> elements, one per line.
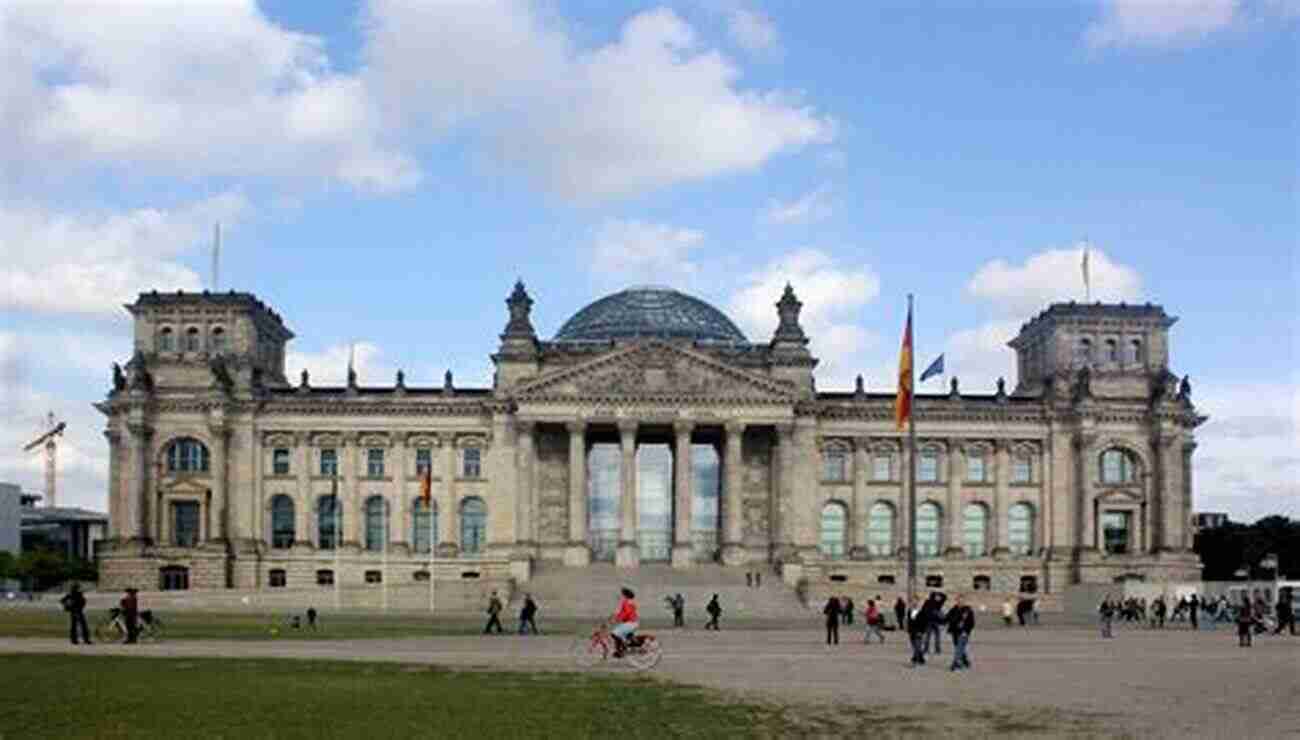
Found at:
<point>53,430</point>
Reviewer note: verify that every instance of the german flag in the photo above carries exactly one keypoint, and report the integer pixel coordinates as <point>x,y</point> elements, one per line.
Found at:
<point>903,403</point>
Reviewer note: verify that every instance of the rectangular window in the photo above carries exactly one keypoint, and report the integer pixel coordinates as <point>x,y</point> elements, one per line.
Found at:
<point>185,523</point>
<point>329,461</point>
<point>1022,470</point>
<point>882,468</point>
<point>927,468</point>
<point>280,461</point>
<point>975,469</point>
<point>1115,525</point>
<point>423,460</point>
<point>472,462</point>
<point>375,463</point>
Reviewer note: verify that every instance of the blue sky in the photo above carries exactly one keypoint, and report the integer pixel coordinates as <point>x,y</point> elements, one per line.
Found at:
<point>385,170</point>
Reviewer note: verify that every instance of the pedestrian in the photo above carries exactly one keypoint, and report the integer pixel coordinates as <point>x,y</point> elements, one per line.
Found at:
<point>900,613</point>
<point>527,616</point>
<point>847,604</point>
<point>494,615</point>
<point>714,610</point>
<point>311,618</point>
<point>873,618</point>
<point>1107,612</point>
<point>961,622</point>
<point>74,603</point>
<point>131,613</point>
<point>916,631</point>
<point>1245,621</point>
<point>834,612</point>
<point>1006,613</point>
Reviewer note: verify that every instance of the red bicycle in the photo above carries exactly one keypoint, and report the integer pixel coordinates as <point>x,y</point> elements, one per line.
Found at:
<point>642,652</point>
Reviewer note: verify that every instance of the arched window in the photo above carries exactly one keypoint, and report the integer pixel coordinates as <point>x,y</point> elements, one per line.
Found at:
<point>166,340</point>
<point>1083,352</point>
<point>192,341</point>
<point>282,522</point>
<point>218,339</point>
<point>928,522</point>
<point>1020,529</point>
<point>1133,352</point>
<point>974,530</point>
<point>424,525</point>
<point>473,526</point>
<point>1112,352</point>
<point>835,463</point>
<point>187,455</point>
<point>1118,466</point>
<point>880,530</point>
<point>834,528</point>
<point>376,523</point>
<point>329,522</point>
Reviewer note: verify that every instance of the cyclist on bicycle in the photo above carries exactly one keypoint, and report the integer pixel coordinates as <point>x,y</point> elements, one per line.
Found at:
<point>625,620</point>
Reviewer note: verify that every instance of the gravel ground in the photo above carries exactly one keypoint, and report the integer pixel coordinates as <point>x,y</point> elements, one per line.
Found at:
<point>1172,683</point>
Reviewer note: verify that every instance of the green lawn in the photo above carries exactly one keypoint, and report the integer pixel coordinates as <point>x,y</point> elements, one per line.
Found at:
<point>49,696</point>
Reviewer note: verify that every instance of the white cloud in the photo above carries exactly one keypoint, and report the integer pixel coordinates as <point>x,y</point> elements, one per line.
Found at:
<point>187,90</point>
<point>814,205</point>
<point>637,251</point>
<point>833,295</point>
<point>1050,276</point>
<point>329,366</point>
<point>648,110</point>
<point>92,263</point>
<point>752,30</point>
<point>1172,23</point>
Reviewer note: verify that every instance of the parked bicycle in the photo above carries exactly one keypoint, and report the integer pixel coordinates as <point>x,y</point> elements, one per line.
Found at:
<point>642,652</point>
<point>112,628</point>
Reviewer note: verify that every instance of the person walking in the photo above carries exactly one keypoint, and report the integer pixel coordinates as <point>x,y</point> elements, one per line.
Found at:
<point>916,631</point>
<point>494,615</point>
<point>131,613</point>
<point>528,615</point>
<point>900,613</point>
<point>873,618</point>
<point>834,612</point>
<point>1107,612</point>
<point>961,623</point>
<point>1245,622</point>
<point>847,605</point>
<point>74,603</point>
<point>714,610</point>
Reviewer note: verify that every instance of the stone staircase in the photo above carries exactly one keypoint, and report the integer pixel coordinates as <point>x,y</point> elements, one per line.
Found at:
<point>593,592</point>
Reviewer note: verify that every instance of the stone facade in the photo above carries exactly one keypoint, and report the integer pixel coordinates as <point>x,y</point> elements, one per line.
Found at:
<point>223,468</point>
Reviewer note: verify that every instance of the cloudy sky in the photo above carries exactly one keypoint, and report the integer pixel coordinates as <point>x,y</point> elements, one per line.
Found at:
<point>384,170</point>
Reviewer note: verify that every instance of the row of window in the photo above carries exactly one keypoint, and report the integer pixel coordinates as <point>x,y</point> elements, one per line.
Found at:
<point>191,340</point>
<point>880,530</point>
<point>422,524</point>
<point>1117,466</point>
<point>471,462</point>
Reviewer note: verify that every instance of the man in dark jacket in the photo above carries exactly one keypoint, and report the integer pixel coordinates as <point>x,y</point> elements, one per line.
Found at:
<point>74,603</point>
<point>131,613</point>
<point>917,626</point>
<point>834,612</point>
<point>961,622</point>
<point>527,615</point>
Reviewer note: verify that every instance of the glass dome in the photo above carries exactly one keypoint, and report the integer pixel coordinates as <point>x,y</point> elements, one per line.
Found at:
<point>649,311</point>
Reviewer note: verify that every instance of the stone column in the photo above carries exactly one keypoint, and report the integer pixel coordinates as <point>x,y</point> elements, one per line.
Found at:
<point>525,517</point>
<point>953,518</point>
<point>1001,483</point>
<point>859,512</point>
<point>682,479</point>
<point>302,513</point>
<point>733,502</point>
<point>628,554</point>
<point>782,513</point>
<point>448,515</point>
<point>578,553</point>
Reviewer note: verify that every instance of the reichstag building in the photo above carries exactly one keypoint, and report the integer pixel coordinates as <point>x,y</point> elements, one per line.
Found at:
<point>649,428</point>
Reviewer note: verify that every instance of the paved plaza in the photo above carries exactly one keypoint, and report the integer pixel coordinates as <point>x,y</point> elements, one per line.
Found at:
<point>1173,683</point>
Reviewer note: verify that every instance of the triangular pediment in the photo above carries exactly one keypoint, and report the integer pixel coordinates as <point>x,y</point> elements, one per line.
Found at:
<point>656,371</point>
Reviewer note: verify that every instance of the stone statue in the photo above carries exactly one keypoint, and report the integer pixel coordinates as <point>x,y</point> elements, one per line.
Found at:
<point>119,378</point>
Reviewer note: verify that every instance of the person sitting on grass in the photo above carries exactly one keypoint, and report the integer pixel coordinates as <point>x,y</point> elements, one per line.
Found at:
<point>625,620</point>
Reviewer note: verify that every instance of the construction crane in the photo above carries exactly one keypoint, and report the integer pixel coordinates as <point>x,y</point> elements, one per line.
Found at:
<point>53,430</point>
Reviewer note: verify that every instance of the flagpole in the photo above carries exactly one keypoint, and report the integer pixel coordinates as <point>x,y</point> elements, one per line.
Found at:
<point>911,468</point>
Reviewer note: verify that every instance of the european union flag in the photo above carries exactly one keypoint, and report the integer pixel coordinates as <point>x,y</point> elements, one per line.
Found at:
<point>935,368</point>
